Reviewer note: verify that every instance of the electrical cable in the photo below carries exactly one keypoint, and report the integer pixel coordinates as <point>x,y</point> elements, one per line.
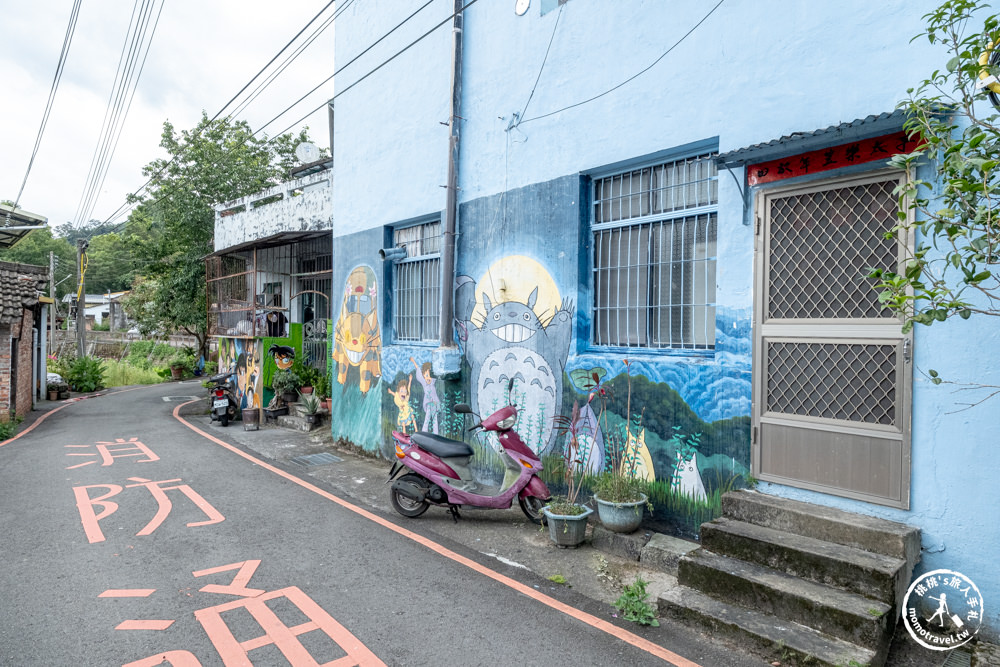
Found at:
<point>60,67</point>
<point>261,87</point>
<point>631,78</point>
<point>123,93</point>
<point>124,207</point>
<point>120,210</point>
<point>370,72</point>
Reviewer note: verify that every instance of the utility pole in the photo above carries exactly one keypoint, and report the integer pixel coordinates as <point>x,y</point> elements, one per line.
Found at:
<point>55,307</point>
<point>81,300</point>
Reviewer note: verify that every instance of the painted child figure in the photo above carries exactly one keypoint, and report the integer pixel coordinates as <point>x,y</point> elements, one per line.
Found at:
<point>401,397</point>
<point>432,404</point>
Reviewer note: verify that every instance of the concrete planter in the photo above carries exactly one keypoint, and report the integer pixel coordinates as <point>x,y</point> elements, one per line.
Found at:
<point>567,530</point>
<point>621,517</point>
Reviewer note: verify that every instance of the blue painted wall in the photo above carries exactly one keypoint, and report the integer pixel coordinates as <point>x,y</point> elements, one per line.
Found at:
<point>536,116</point>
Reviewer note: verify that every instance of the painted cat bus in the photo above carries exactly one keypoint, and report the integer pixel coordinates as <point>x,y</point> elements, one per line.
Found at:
<point>356,339</point>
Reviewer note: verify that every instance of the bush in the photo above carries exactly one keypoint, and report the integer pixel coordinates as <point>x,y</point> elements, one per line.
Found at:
<point>86,374</point>
<point>123,374</point>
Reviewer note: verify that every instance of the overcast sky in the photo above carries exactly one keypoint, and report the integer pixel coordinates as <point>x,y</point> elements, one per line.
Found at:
<point>202,53</point>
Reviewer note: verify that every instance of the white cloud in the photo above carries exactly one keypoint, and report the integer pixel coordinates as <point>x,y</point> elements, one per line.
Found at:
<point>201,55</point>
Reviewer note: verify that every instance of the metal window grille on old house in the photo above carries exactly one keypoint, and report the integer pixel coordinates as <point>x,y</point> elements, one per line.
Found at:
<point>416,301</point>
<point>259,290</point>
<point>655,231</point>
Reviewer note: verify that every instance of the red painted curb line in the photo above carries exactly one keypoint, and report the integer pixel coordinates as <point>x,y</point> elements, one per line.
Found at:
<point>591,620</point>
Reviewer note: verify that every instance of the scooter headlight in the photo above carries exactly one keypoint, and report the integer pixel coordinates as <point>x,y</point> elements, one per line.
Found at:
<point>507,424</point>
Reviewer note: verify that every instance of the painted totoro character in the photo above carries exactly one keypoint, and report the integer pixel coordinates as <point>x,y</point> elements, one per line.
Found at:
<point>513,343</point>
<point>688,479</point>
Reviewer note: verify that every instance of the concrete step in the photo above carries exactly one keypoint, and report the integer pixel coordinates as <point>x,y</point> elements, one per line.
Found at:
<point>297,423</point>
<point>776,638</point>
<point>870,574</point>
<point>832,611</point>
<point>824,523</point>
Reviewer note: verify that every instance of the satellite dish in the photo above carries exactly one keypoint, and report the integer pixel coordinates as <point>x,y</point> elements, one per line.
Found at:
<point>307,152</point>
<point>521,6</point>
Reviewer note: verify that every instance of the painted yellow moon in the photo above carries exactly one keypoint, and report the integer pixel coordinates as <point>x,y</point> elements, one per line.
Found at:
<point>513,278</point>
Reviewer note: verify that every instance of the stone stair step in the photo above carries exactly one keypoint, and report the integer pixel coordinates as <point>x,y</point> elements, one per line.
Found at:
<point>832,611</point>
<point>297,423</point>
<point>776,638</point>
<point>870,574</point>
<point>824,523</point>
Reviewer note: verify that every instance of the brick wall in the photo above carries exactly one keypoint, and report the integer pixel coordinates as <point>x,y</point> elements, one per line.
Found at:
<point>5,373</point>
<point>24,386</point>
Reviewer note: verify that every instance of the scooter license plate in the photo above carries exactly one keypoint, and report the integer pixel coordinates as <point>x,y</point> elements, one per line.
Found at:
<point>220,403</point>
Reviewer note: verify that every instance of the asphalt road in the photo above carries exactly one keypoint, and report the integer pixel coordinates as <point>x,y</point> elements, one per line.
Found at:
<point>129,537</point>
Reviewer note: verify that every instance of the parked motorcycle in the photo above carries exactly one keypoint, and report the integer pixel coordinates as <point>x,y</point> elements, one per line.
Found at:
<point>439,474</point>
<point>223,396</point>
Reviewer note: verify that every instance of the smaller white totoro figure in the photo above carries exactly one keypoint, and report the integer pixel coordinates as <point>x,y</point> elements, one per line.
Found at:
<point>690,483</point>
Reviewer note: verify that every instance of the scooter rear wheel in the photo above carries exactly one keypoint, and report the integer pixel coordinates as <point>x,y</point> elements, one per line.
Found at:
<point>407,506</point>
<point>224,419</point>
<point>532,508</point>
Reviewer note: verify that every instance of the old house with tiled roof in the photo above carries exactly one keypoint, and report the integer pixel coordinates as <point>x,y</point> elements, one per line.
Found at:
<point>20,314</point>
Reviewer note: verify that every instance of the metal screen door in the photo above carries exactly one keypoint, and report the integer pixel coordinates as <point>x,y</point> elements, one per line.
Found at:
<point>832,369</point>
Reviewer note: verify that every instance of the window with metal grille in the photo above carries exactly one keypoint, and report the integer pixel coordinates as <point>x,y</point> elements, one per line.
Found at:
<point>416,303</point>
<point>654,232</point>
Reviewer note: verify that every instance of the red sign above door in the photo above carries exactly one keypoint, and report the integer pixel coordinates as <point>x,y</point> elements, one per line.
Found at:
<point>825,159</point>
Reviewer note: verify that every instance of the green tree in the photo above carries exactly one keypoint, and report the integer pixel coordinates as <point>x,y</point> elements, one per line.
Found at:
<point>171,230</point>
<point>953,268</point>
<point>34,249</point>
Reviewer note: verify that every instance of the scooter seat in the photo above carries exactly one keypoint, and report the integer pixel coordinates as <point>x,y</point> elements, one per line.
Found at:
<point>443,447</point>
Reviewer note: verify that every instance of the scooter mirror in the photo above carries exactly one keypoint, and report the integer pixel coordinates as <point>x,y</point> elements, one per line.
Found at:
<point>463,408</point>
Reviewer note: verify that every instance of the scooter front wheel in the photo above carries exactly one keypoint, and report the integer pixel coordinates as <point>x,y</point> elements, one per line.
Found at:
<point>532,508</point>
<point>409,507</point>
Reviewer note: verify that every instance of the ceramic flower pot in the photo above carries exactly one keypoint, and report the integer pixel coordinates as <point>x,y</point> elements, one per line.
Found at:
<point>621,517</point>
<point>567,530</point>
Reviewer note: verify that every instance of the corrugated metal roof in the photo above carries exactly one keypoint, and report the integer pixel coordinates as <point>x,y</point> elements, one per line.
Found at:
<point>861,128</point>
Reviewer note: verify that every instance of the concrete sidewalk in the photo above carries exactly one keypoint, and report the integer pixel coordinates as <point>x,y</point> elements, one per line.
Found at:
<point>598,569</point>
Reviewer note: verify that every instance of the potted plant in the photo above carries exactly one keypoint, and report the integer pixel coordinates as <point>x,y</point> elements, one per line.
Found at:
<point>566,518</point>
<point>53,391</point>
<point>309,403</point>
<point>620,498</point>
<point>179,364</point>
<point>286,385</point>
<point>308,378</point>
<point>322,389</point>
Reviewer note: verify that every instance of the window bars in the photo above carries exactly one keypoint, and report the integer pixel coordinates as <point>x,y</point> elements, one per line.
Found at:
<point>654,276</point>
<point>416,304</point>
<point>257,292</point>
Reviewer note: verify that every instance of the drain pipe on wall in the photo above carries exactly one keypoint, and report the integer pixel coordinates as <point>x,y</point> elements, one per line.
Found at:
<point>447,359</point>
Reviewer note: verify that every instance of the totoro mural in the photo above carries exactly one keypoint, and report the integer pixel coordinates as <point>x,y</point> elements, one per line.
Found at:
<point>513,324</point>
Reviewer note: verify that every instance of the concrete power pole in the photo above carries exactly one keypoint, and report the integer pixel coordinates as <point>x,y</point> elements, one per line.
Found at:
<point>81,301</point>
<point>55,308</point>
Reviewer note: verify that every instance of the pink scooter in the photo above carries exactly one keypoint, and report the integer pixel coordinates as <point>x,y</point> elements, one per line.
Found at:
<point>439,471</point>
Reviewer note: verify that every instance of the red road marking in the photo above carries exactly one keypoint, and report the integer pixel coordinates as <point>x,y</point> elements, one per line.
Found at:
<point>144,624</point>
<point>234,652</point>
<point>175,658</point>
<point>65,405</point>
<point>238,586</point>
<point>591,620</point>
<point>127,593</point>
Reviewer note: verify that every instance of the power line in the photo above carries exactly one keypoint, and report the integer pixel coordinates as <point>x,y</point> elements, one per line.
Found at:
<point>124,206</point>
<point>120,210</point>
<point>120,103</point>
<point>634,76</point>
<point>60,66</point>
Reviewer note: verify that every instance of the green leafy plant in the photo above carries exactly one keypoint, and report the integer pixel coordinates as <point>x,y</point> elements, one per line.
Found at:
<point>285,381</point>
<point>308,376</point>
<point>86,374</point>
<point>310,403</point>
<point>953,269</point>
<point>620,482</point>
<point>9,428</point>
<point>633,606</point>
<point>558,579</point>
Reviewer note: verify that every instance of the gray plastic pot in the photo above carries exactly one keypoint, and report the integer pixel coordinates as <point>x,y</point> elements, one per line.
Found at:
<point>621,517</point>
